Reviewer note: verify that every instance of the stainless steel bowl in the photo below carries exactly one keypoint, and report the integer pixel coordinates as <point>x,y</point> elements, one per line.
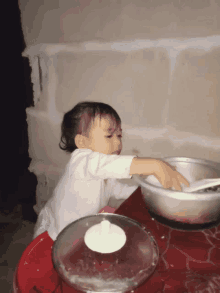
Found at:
<point>189,208</point>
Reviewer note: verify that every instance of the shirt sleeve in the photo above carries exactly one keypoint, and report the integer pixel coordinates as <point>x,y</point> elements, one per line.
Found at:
<point>121,189</point>
<point>92,165</point>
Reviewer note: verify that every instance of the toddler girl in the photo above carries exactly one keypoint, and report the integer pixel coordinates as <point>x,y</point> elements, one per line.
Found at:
<point>92,133</point>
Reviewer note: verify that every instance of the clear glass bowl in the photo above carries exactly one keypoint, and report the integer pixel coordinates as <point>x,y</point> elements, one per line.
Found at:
<point>87,270</point>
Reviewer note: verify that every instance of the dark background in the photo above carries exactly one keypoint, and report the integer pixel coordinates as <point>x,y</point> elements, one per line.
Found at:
<point>18,185</point>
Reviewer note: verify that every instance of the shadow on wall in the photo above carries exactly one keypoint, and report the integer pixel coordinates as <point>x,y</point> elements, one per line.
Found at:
<point>157,147</point>
<point>160,147</point>
<point>191,150</point>
<point>166,147</point>
<point>197,151</point>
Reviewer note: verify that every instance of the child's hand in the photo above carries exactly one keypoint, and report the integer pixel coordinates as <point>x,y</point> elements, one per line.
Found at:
<point>168,176</point>
<point>107,209</point>
<point>165,173</point>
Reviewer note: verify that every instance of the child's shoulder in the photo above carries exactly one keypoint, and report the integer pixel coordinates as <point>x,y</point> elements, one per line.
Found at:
<point>81,152</point>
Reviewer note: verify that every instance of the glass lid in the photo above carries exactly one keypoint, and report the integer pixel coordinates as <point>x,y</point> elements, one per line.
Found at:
<point>105,253</point>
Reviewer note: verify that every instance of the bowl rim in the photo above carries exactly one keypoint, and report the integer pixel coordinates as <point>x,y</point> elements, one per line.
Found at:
<point>179,194</point>
<point>195,160</point>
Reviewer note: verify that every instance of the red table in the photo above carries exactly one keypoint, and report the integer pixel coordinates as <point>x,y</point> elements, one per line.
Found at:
<point>189,261</point>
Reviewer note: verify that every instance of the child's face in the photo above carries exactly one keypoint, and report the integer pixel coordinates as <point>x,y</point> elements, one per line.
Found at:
<point>104,137</point>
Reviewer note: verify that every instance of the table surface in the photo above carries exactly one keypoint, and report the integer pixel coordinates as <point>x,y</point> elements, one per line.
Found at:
<point>189,260</point>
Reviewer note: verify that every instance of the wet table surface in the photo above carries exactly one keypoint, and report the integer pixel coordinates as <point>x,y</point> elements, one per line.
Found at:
<point>189,259</point>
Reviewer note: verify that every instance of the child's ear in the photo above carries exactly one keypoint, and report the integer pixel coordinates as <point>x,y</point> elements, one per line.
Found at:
<point>80,141</point>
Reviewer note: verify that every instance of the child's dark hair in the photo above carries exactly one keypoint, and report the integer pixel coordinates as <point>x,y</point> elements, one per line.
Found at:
<point>78,121</point>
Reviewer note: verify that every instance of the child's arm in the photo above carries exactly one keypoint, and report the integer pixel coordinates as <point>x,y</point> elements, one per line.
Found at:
<point>166,174</point>
<point>97,165</point>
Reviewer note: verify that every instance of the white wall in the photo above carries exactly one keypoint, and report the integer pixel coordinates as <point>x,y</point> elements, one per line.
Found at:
<point>57,21</point>
<point>161,77</point>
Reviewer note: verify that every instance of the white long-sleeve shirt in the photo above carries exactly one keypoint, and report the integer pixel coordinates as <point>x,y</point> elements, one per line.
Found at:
<point>89,181</point>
